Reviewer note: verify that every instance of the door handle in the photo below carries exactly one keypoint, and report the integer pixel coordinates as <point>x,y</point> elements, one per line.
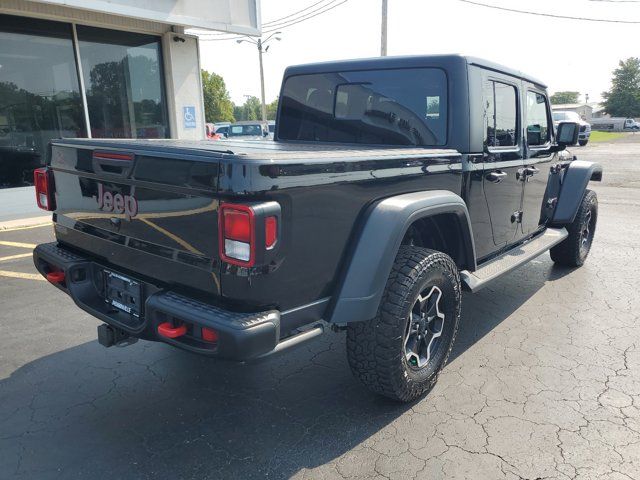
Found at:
<point>496,177</point>
<point>531,171</point>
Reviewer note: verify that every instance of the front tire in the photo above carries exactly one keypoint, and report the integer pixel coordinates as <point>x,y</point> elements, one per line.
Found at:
<point>583,143</point>
<point>573,250</point>
<point>401,351</point>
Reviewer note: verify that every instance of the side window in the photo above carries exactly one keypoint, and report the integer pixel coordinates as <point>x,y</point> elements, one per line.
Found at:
<point>501,111</point>
<point>538,132</point>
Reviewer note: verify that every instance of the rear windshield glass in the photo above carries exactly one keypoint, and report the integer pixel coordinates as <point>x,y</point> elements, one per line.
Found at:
<point>389,107</point>
<point>245,130</point>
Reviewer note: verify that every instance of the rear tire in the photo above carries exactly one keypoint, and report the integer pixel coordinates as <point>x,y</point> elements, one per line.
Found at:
<point>401,351</point>
<point>573,250</point>
<point>583,143</point>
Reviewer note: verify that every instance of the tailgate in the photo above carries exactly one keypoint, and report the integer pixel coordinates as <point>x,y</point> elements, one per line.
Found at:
<point>151,213</point>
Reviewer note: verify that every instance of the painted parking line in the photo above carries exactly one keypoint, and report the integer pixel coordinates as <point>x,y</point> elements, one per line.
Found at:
<point>4,228</point>
<point>15,257</point>
<point>24,276</point>
<point>18,244</point>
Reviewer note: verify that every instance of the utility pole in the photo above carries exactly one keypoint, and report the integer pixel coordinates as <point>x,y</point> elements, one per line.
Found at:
<point>383,30</point>
<point>261,44</point>
<point>264,104</point>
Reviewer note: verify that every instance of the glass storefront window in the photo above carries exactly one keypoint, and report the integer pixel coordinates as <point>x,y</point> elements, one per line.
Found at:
<point>39,94</point>
<point>123,80</point>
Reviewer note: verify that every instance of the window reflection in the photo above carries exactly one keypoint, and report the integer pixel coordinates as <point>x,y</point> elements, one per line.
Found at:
<point>123,80</point>
<point>501,111</point>
<point>537,121</point>
<point>39,94</point>
<point>391,107</point>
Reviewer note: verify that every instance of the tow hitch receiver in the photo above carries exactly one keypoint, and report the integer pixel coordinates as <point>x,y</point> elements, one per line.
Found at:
<point>108,336</point>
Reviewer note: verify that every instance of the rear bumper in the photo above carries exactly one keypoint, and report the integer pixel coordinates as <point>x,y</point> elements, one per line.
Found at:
<point>240,336</point>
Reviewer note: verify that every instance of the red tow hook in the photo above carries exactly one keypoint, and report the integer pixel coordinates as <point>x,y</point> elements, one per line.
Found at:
<point>166,329</point>
<point>56,277</point>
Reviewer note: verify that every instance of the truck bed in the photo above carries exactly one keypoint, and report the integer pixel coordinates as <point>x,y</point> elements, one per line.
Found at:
<point>261,150</point>
<point>177,187</point>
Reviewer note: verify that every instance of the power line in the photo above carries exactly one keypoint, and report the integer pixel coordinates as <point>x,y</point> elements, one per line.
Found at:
<point>307,18</point>
<point>294,13</point>
<point>276,24</point>
<point>271,23</point>
<point>295,21</point>
<point>550,15</point>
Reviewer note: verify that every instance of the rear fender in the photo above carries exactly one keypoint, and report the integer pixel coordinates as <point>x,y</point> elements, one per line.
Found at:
<point>386,222</point>
<point>574,182</point>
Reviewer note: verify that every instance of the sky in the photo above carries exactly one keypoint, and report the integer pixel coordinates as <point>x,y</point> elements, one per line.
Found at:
<point>565,54</point>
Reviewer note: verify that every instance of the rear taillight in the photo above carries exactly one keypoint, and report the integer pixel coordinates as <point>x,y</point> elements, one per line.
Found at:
<point>43,181</point>
<point>237,234</point>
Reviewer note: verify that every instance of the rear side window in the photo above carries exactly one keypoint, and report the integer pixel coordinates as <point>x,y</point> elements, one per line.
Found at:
<point>388,107</point>
<point>501,114</point>
<point>537,121</point>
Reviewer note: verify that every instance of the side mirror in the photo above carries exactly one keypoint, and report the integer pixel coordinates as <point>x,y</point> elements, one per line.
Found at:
<point>567,134</point>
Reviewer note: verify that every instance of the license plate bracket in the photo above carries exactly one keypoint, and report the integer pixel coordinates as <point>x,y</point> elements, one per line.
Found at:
<point>123,293</point>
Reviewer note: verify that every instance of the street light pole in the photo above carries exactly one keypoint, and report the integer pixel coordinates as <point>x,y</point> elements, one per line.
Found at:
<point>383,30</point>
<point>260,44</point>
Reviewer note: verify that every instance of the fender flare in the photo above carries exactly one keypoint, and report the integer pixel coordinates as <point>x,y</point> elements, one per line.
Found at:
<point>375,248</point>
<point>574,183</point>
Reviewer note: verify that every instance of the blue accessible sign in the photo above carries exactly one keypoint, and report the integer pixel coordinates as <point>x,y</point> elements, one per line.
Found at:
<point>189,117</point>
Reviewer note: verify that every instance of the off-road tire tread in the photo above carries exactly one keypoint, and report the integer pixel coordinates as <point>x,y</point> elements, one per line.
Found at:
<point>567,252</point>
<point>372,346</point>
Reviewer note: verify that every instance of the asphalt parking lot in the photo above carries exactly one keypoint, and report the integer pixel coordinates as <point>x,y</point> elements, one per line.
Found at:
<point>544,382</point>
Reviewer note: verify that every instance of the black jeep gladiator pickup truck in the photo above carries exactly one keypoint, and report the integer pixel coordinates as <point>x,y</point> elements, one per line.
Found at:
<point>392,184</point>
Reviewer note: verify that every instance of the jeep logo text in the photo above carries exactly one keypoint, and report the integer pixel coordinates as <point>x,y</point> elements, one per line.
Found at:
<point>116,203</point>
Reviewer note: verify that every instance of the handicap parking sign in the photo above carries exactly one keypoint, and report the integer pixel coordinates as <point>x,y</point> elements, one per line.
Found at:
<point>189,117</point>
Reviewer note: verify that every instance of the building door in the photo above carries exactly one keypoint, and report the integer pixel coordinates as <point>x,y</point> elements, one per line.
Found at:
<point>502,159</point>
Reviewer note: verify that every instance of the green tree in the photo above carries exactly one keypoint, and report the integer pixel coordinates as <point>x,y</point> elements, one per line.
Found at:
<point>250,110</point>
<point>272,110</point>
<point>561,98</point>
<point>218,106</point>
<point>623,100</point>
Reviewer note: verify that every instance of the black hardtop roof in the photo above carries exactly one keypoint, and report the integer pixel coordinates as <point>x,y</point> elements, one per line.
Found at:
<point>413,61</point>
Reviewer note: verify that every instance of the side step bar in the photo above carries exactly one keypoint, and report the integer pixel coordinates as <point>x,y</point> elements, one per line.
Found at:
<point>295,340</point>
<point>474,281</point>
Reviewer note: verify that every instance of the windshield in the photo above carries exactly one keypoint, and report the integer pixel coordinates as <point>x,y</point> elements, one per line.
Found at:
<point>389,107</point>
<point>236,130</point>
<point>566,117</point>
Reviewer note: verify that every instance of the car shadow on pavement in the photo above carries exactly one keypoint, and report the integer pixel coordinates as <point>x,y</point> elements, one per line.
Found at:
<point>150,411</point>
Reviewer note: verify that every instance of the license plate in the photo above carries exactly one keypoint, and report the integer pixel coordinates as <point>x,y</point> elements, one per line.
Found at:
<point>123,293</point>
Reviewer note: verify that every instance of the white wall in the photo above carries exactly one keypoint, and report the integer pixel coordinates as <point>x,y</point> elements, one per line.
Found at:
<point>237,16</point>
<point>183,85</point>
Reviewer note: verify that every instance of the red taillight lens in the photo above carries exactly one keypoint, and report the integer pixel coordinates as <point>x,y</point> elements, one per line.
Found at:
<point>237,234</point>
<point>237,225</point>
<point>270,231</point>
<point>43,181</point>
<point>209,335</point>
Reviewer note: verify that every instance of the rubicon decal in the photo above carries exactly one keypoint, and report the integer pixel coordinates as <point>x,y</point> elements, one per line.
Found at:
<point>116,202</point>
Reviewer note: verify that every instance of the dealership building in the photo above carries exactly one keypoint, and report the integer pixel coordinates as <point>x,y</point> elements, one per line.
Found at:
<point>103,69</point>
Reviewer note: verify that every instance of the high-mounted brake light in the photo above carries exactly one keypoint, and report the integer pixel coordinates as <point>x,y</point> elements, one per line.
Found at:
<point>43,181</point>
<point>237,234</point>
<point>113,156</point>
